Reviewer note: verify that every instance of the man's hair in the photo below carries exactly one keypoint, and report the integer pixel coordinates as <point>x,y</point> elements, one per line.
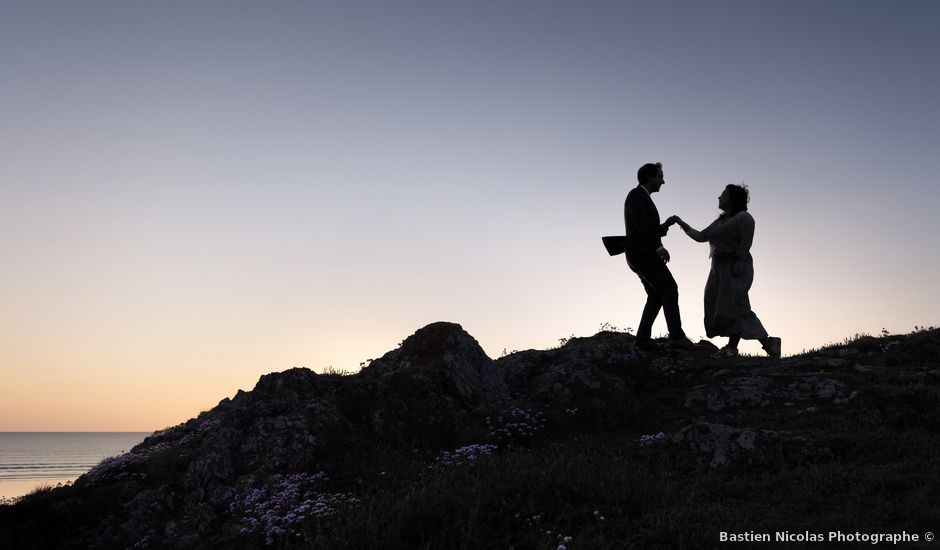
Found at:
<point>648,171</point>
<point>739,196</point>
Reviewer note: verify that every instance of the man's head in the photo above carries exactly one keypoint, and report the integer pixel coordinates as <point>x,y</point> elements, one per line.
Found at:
<point>650,176</point>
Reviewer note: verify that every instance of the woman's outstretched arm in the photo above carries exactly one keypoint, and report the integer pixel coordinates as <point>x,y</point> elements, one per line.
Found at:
<point>696,235</point>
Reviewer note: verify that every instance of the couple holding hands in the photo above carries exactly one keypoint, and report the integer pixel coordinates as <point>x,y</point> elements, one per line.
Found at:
<point>727,307</point>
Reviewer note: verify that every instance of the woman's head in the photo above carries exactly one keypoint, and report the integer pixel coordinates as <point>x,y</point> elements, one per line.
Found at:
<point>734,199</point>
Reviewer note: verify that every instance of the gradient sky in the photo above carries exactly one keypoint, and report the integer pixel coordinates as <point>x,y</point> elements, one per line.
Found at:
<point>193,194</point>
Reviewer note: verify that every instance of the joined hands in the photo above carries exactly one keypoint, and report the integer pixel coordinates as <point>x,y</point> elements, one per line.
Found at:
<point>673,220</point>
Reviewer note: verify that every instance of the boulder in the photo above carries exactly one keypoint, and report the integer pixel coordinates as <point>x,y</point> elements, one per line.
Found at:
<point>445,355</point>
<point>754,391</point>
<point>720,445</point>
<point>585,374</point>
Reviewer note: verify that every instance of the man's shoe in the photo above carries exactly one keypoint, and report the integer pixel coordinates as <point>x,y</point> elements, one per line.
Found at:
<point>681,344</point>
<point>773,347</point>
<point>726,352</point>
<point>646,344</point>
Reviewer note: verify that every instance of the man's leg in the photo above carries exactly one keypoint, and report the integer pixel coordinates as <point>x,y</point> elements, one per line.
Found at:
<point>670,299</point>
<point>656,275</point>
<point>650,312</point>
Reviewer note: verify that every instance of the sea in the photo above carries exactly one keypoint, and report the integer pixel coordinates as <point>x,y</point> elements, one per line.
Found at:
<point>29,460</point>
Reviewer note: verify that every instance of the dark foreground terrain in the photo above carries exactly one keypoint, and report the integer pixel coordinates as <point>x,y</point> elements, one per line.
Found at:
<point>588,445</point>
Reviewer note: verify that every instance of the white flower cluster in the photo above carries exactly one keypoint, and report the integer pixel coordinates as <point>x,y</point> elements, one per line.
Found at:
<point>462,456</point>
<point>515,424</point>
<point>651,438</point>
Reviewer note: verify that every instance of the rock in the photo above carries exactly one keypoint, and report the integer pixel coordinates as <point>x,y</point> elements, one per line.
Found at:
<point>454,360</point>
<point>707,346</point>
<point>720,445</point>
<point>759,391</point>
<point>823,361</point>
<point>575,375</point>
<point>432,390</point>
<point>867,343</point>
<point>844,400</point>
<point>734,392</point>
<point>868,368</point>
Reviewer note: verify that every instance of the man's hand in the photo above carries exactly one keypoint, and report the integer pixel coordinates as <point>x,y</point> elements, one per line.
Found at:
<point>663,254</point>
<point>670,221</point>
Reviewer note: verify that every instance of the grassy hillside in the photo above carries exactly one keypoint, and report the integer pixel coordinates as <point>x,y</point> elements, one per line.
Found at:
<point>841,439</point>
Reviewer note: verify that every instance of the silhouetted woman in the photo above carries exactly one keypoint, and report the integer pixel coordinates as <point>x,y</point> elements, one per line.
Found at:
<point>727,307</point>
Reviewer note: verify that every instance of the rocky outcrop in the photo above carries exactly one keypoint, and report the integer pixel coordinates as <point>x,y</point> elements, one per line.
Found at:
<point>444,356</point>
<point>736,392</point>
<point>437,391</point>
<point>721,446</point>
<point>432,390</point>
<point>584,374</point>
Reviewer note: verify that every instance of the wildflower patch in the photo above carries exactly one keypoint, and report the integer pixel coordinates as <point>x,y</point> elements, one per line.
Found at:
<point>515,424</point>
<point>650,439</point>
<point>279,510</point>
<point>462,456</point>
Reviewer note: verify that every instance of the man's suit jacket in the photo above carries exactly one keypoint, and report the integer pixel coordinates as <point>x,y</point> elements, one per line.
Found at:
<point>641,218</point>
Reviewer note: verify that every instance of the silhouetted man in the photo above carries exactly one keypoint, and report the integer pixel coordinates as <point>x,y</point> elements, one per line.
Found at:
<point>647,257</point>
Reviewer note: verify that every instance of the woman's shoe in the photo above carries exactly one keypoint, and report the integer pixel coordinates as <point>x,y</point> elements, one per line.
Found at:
<point>726,352</point>
<point>772,347</point>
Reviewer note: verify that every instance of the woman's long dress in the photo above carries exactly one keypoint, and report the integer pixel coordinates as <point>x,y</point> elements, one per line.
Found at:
<point>727,306</point>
